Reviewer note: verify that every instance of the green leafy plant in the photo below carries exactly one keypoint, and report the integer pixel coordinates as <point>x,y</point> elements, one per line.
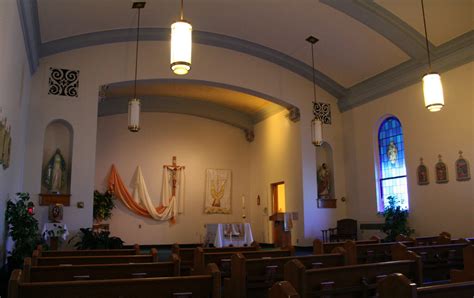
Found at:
<point>23,228</point>
<point>90,239</point>
<point>103,205</point>
<point>396,220</point>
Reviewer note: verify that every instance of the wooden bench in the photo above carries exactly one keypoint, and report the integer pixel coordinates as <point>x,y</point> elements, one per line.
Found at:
<point>320,247</point>
<point>187,254</point>
<point>467,274</point>
<point>397,285</point>
<point>88,252</point>
<point>370,253</point>
<point>197,286</point>
<point>283,289</point>
<point>99,271</point>
<point>83,260</point>
<point>253,277</point>
<point>437,260</point>
<point>442,238</point>
<point>223,259</point>
<point>352,280</point>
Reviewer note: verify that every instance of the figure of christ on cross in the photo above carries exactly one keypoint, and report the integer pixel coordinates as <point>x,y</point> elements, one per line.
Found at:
<point>174,168</point>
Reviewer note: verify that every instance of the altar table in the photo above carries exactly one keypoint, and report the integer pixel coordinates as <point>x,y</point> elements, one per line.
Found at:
<point>225,234</point>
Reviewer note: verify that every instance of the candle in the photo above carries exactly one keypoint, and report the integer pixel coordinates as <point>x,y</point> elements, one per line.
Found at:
<point>243,202</point>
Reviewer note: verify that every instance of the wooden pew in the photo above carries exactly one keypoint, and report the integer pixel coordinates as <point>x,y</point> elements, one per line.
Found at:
<point>88,252</point>
<point>187,254</point>
<point>437,260</point>
<point>467,274</point>
<point>370,253</point>
<point>223,259</point>
<point>83,260</point>
<point>197,286</point>
<point>442,238</point>
<point>320,247</point>
<point>397,285</point>
<point>99,271</point>
<point>352,280</point>
<point>253,277</point>
<point>283,289</point>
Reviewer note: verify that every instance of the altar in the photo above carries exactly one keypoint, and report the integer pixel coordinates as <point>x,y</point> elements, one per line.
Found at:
<point>229,234</point>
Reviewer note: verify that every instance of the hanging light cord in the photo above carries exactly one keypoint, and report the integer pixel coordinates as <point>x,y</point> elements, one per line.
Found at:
<point>426,34</point>
<point>314,79</point>
<point>182,13</point>
<point>136,57</point>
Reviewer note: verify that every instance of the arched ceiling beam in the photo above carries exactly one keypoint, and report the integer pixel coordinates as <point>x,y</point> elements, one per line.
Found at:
<point>385,23</point>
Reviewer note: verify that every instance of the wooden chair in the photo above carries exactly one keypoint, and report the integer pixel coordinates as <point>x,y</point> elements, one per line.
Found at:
<point>346,230</point>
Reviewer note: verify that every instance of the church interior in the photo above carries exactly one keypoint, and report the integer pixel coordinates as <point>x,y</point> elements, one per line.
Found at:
<point>242,123</point>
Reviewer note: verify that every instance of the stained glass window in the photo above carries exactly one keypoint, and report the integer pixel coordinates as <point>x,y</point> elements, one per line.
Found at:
<point>392,171</point>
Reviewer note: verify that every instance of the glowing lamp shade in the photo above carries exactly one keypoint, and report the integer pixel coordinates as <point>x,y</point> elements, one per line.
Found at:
<point>317,132</point>
<point>181,44</point>
<point>433,92</point>
<point>134,115</point>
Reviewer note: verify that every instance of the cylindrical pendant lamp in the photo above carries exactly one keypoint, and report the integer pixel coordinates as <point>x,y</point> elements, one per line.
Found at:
<point>134,115</point>
<point>317,132</point>
<point>433,92</point>
<point>181,45</point>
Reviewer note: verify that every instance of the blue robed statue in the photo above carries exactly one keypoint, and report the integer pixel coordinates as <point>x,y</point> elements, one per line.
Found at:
<point>54,175</point>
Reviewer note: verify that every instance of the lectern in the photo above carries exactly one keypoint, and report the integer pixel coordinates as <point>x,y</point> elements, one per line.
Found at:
<point>282,224</point>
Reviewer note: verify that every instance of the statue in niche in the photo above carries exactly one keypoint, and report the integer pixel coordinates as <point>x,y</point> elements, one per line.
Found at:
<point>324,181</point>
<point>54,176</point>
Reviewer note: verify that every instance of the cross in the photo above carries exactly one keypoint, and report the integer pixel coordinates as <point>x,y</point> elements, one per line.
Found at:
<point>460,153</point>
<point>173,168</point>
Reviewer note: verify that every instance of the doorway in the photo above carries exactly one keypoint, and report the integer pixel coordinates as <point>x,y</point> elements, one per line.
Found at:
<point>278,203</point>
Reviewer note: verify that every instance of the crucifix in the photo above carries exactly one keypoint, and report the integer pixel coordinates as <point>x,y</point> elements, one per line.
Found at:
<point>174,168</point>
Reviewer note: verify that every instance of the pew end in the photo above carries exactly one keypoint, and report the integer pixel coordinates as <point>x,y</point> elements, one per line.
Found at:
<point>283,289</point>
<point>318,247</point>
<point>294,272</point>
<point>214,271</point>
<point>396,285</point>
<point>154,253</point>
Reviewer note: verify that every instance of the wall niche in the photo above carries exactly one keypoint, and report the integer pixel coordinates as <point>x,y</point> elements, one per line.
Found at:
<point>56,166</point>
<point>325,176</point>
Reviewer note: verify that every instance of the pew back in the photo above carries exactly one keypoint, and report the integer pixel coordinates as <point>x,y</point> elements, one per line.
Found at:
<point>350,280</point>
<point>88,252</point>
<point>320,247</point>
<point>100,271</point>
<point>253,277</point>
<point>198,286</point>
<point>397,285</point>
<point>82,260</point>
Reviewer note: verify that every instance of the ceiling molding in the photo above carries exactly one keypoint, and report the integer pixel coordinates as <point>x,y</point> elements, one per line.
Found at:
<point>28,12</point>
<point>184,81</point>
<point>447,56</point>
<point>200,37</point>
<point>384,23</point>
<point>199,108</point>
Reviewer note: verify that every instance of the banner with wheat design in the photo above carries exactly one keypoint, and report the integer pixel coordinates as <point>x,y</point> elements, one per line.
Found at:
<point>218,191</point>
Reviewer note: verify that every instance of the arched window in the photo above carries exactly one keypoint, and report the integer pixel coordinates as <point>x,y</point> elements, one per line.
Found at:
<point>392,176</point>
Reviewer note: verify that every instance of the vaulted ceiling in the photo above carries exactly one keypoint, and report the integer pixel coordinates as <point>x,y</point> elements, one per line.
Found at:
<point>367,48</point>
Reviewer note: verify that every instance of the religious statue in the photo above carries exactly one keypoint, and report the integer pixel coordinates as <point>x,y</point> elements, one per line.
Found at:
<point>323,181</point>
<point>54,176</point>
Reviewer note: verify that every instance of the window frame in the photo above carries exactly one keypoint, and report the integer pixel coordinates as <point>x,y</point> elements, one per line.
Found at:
<point>380,201</point>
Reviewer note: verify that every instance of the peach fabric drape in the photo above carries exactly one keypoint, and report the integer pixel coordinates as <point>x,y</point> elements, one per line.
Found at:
<point>166,211</point>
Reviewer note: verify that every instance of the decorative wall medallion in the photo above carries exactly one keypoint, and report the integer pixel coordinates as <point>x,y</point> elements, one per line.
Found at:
<point>441,171</point>
<point>392,152</point>
<point>422,174</point>
<point>463,173</point>
<point>322,111</point>
<point>64,82</point>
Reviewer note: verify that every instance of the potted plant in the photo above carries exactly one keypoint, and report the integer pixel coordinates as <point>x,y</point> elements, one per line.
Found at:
<point>23,228</point>
<point>90,239</point>
<point>103,205</point>
<point>396,220</point>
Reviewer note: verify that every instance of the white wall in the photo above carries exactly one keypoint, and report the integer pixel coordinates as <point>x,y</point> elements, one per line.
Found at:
<point>198,144</point>
<point>115,63</point>
<point>435,207</point>
<point>14,95</point>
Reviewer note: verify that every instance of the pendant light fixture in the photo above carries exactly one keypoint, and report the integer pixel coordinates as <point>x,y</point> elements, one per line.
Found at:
<point>432,87</point>
<point>181,45</point>
<point>316,123</point>
<point>134,103</point>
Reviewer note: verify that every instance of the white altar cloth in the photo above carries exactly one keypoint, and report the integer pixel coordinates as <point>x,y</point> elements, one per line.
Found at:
<point>235,234</point>
<point>55,229</point>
